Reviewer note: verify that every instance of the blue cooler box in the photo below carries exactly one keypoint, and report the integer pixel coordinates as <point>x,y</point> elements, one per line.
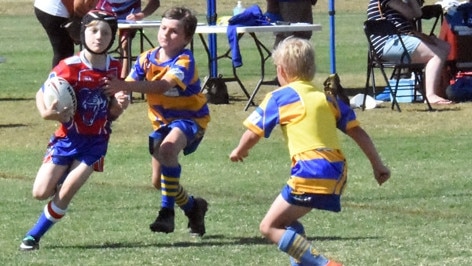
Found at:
<point>406,90</point>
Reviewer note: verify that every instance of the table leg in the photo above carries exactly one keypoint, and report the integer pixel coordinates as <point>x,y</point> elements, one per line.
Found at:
<point>211,61</point>
<point>142,37</point>
<point>129,58</point>
<point>264,54</point>
<point>207,50</point>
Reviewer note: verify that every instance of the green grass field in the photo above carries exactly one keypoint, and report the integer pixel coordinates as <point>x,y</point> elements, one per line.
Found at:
<point>422,216</point>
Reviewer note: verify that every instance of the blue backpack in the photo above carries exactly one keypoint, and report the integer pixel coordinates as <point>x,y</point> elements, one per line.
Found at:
<point>461,89</point>
<point>460,16</point>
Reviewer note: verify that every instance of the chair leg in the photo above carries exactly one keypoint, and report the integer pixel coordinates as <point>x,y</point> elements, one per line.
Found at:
<point>395,102</point>
<point>419,80</point>
<point>366,89</point>
<point>393,90</point>
<point>374,86</point>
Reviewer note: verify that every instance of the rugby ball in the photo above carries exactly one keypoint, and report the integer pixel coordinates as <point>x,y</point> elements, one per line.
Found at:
<point>57,88</point>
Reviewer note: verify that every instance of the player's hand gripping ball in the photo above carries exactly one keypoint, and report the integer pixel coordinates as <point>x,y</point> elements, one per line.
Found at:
<point>57,88</point>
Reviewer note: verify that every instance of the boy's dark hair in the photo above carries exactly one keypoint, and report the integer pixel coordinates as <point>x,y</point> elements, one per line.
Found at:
<point>183,14</point>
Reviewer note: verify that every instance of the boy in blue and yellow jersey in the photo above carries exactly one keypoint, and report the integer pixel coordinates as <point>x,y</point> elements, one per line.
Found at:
<point>178,112</point>
<point>308,118</point>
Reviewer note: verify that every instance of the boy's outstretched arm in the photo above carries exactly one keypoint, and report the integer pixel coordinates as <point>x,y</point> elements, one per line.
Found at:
<point>381,172</point>
<point>247,141</point>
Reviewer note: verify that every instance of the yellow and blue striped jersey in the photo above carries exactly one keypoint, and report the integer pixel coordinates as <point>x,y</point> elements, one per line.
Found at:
<point>184,101</point>
<point>308,119</point>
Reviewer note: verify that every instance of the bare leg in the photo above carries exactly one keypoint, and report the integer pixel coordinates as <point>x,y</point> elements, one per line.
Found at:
<point>75,180</point>
<point>156,172</point>
<point>280,215</point>
<point>434,54</point>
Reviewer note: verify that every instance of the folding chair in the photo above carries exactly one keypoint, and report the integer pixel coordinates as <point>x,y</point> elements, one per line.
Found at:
<point>386,28</point>
<point>433,13</point>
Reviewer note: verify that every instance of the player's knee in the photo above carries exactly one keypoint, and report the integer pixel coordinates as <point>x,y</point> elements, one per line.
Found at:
<point>167,154</point>
<point>264,228</point>
<point>41,194</point>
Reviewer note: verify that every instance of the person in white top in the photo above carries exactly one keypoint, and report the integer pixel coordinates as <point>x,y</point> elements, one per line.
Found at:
<point>53,14</point>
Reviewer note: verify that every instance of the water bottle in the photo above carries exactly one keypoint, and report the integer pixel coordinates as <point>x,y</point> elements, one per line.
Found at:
<point>238,9</point>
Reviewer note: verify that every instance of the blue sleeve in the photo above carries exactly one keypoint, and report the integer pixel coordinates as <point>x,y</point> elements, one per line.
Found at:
<point>271,116</point>
<point>265,118</point>
<point>138,72</point>
<point>347,116</point>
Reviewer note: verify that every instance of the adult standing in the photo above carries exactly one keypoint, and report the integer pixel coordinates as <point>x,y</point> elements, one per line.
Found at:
<point>53,14</point>
<point>421,47</point>
<point>290,11</point>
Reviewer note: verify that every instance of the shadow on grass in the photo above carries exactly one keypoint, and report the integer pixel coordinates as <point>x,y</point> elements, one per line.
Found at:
<point>210,240</point>
<point>15,99</point>
<point>138,99</point>
<point>10,176</point>
<point>416,211</point>
<point>12,125</point>
<point>450,107</point>
<point>237,98</point>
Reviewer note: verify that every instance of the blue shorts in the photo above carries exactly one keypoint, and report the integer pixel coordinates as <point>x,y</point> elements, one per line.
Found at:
<point>393,49</point>
<point>329,202</point>
<point>191,129</point>
<point>90,150</point>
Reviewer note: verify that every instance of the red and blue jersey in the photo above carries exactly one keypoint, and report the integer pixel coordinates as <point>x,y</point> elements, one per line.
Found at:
<point>91,116</point>
<point>85,137</point>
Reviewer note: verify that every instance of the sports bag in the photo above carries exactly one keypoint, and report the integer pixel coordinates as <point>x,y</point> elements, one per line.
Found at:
<point>461,88</point>
<point>216,91</point>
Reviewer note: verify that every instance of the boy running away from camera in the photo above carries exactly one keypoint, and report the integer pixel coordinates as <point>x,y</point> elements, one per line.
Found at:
<point>308,118</point>
<point>79,145</point>
<point>178,112</point>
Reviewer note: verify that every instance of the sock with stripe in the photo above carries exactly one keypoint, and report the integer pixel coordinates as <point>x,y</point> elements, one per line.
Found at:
<point>169,185</point>
<point>183,200</point>
<point>298,228</point>
<point>48,218</point>
<point>300,249</point>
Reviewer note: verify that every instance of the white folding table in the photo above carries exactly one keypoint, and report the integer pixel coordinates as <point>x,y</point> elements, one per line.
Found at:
<point>202,30</point>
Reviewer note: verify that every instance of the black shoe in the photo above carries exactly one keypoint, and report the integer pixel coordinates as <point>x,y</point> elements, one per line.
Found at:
<point>29,243</point>
<point>196,217</point>
<point>164,222</point>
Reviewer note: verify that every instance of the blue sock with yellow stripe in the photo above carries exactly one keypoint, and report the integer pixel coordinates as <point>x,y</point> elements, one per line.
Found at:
<point>300,249</point>
<point>298,228</point>
<point>169,185</point>
<point>183,200</point>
